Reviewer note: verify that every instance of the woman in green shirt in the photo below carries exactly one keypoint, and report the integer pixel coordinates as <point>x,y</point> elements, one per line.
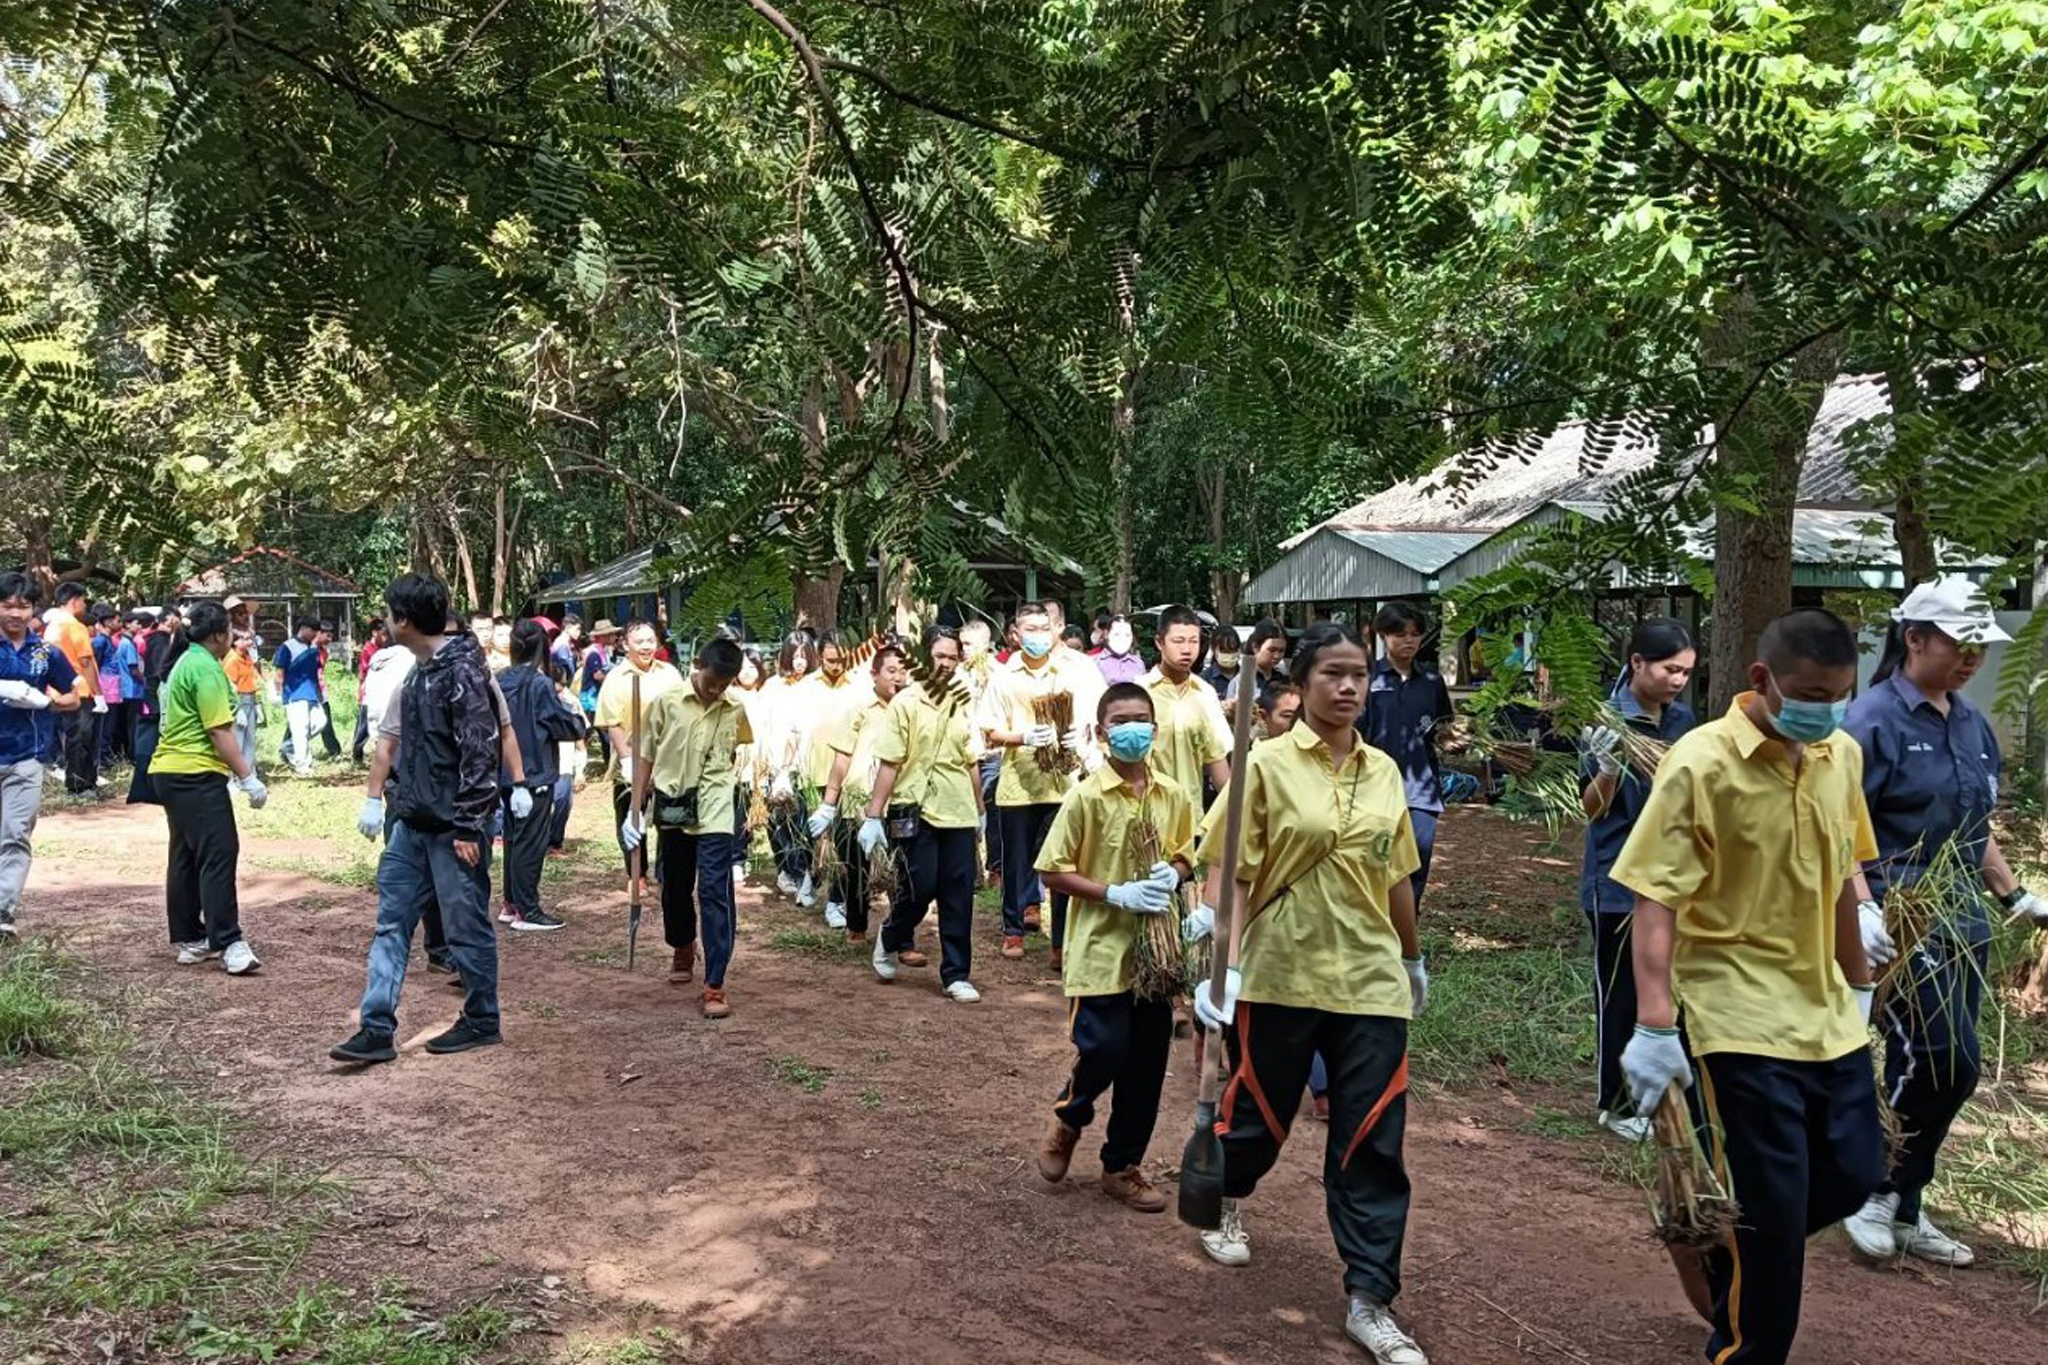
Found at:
<point>196,752</point>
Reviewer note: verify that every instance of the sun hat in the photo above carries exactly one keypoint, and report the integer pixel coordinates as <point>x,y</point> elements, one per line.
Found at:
<point>603,627</point>
<point>1956,607</point>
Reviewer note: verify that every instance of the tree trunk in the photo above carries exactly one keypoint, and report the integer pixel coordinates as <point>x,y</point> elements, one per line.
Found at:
<point>1123,425</point>
<point>463,560</point>
<point>817,599</point>
<point>39,562</point>
<point>1761,444</point>
<point>1915,538</point>
<point>501,548</point>
<point>1214,487</point>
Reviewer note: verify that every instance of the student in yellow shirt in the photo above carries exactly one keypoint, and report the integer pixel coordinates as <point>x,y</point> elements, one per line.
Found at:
<point>851,777</point>
<point>832,695</point>
<point>1120,1040</point>
<point>783,714</point>
<point>614,715</point>
<point>1743,865</point>
<point>684,780</point>
<point>1326,963</point>
<point>1193,739</point>
<point>1027,796</point>
<point>926,777</point>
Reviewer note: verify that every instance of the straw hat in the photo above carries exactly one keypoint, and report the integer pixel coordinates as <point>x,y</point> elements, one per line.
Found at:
<point>603,628</point>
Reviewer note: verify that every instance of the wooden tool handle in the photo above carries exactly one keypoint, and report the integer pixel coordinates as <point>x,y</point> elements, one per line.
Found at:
<point>633,798</point>
<point>1233,829</point>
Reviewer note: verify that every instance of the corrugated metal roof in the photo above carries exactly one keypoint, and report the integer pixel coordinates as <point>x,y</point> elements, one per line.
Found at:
<point>1343,566</point>
<point>1423,551</point>
<point>1562,470</point>
<point>627,576</point>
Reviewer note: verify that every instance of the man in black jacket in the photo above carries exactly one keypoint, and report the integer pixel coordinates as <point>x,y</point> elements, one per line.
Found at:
<point>442,797</point>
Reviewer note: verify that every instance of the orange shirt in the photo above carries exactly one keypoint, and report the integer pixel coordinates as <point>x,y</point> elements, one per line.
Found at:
<point>241,671</point>
<point>74,637</point>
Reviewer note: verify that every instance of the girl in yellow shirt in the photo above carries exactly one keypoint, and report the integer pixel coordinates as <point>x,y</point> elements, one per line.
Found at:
<point>1326,962</point>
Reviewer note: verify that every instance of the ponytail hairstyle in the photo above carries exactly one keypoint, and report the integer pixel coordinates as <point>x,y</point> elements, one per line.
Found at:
<point>1321,636</point>
<point>202,623</point>
<point>1894,656</point>
<point>529,642</point>
<point>1656,638</point>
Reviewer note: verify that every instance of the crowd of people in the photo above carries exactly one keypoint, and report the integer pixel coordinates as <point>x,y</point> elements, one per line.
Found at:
<point>1736,896</point>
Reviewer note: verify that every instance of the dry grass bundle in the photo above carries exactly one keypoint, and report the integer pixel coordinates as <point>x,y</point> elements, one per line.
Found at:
<point>1057,710</point>
<point>757,807</point>
<point>885,872</point>
<point>1159,960</point>
<point>1935,908</point>
<point>826,864</point>
<point>1694,1211</point>
<point>1641,752</point>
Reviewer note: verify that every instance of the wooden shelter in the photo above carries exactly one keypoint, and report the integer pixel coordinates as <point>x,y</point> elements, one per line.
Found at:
<point>281,590</point>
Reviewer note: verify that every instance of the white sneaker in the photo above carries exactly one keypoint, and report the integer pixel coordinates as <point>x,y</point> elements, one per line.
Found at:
<point>1871,1228</point>
<point>835,915</point>
<point>1628,1130</point>
<point>884,960</point>
<point>785,883</point>
<point>1373,1327</point>
<point>193,953</point>
<point>240,959</point>
<point>963,992</point>
<point>1229,1245</point>
<point>103,782</point>
<point>739,875</point>
<point>806,894</point>
<point>1930,1243</point>
<point>7,929</point>
<point>507,915</point>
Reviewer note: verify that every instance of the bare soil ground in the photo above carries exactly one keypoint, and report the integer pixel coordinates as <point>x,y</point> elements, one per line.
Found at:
<point>842,1171</point>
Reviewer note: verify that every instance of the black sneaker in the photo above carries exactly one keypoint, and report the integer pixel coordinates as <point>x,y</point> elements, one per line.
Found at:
<point>466,1034</point>
<point>536,922</point>
<point>364,1048</point>
<point>439,964</point>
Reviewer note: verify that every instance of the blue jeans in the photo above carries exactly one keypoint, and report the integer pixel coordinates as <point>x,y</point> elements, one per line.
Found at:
<point>696,893</point>
<point>417,870</point>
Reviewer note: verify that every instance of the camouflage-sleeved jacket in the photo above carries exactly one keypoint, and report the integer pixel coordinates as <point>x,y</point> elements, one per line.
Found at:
<point>447,774</point>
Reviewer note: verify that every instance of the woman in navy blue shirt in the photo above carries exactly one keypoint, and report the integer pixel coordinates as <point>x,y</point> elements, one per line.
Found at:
<point>1661,658</point>
<point>1930,776</point>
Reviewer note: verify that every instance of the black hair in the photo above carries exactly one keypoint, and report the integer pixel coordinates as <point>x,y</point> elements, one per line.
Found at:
<point>1808,635</point>
<point>1266,629</point>
<point>69,592</point>
<point>1395,617</point>
<point>935,633</point>
<point>529,642</point>
<point>827,637</point>
<point>721,658</point>
<point>626,631</point>
<point>1072,633</point>
<point>1103,620</point>
<point>13,585</point>
<point>1271,694</point>
<point>376,624</point>
<point>419,601</point>
<point>1321,636</point>
<point>570,618</point>
<point>890,649</point>
<point>103,612</point>
<point>1123,691</point>
<point>302,626</point>
<point>1893,657</point>
<point>326,627</point>
<point>206,620</point>
<point>1177,616</point>
<point>1033,608</point>
<point>791,643</point>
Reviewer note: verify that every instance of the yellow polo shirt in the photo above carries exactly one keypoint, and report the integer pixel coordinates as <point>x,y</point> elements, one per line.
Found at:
<point>615,700</point>
<point>1321,848</point>
<point>1095,835</point>
<point>932,746</point>
<point>1751,857</point>
<point>1188,724</point>
<point>1006,706</point>
<point>855,737</point>
<point>691,745</point>
<point>824,707</point>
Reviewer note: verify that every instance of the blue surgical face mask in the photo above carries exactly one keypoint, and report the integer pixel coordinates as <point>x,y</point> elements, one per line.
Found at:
<point>1807,722</point>
<point>1037,644</point>
<point>1130,740</point>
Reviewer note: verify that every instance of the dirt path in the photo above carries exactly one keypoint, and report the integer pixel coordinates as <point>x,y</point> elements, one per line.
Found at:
<point>666,1171</point>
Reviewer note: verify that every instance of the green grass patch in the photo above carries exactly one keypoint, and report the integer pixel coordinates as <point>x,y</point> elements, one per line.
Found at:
<point>800,1073</point>
<point>1522,1014</point>
<point>871,1099</point>
<point>35,1016</point>
<point>820,945</point>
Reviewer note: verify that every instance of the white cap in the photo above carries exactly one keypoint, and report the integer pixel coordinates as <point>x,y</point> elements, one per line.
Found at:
<point>1956,607</point>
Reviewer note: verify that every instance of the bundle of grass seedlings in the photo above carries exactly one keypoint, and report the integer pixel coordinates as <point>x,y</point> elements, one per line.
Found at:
<point>1159,959</point>
<point>1694,1211</point>
<point>885,872</point>
<point>1641,752</point>
<point>1057,710</point>
<point>1934,907</point>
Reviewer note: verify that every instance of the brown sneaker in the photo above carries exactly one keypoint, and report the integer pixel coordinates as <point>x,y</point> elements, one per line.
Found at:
<point>1013,946</point>
<point>1056,1151</point>
<point>715,1006</point>
<point>911,957</point>
<point>683,965</point>
<point>1056,960</point>
<point>1032,922</point>
<point>856,936</point>
<point>1132,1190</point>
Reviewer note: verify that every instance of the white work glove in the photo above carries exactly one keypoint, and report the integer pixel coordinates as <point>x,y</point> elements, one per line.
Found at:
<point>23,696</point>
<point>1163,875</point>
<point>1877,941</point>
<point>872,836</point>
<point>99,706</point>
<point>633,830</point>
<point>522,803</point>
<point>370,819</point>
<point>2029,907</point>
<point>1041,737</point>
<point>1601,743</point>
<point>1091,755</point>
<point>1865,996</point>
<point>822,818</point>
<point>1208,1010</point>
<point>783,788</point>
<point>1139,897</point>
<point>253,788</point>
<point>1418,985</point>
<point>1652,1061</point>
<point>1199,924</point>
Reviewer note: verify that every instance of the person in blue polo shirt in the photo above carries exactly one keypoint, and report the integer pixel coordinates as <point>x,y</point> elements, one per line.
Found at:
<point>35,679</point>
<point>298,669</point>
<point>1930,777</point>
<point>1404,707</point>
<point>1660,663</point>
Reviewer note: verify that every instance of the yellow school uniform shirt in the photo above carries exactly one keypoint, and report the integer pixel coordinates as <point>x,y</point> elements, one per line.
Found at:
<point>1751,857</point>
<point>1322,845</point>
<point>824,707</point>
<point>615,699</point>
<point>1006,706</point>
<point>1094,835</point>
<point>855,737</point>
<point>1188,726</point>
<point>931,745</point>
<point>691,745</point>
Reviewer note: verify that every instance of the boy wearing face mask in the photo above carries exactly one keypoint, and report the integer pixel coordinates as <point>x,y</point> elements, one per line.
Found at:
<point>1121,1040</point>
<point>1743,864</point>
